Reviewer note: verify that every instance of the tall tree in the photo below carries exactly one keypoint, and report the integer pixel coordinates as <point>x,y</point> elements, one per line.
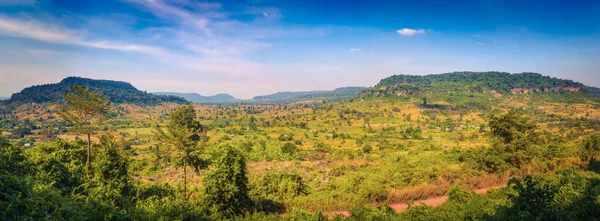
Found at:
<point>183,132</point>
<point>85,110</point>
<point>515,136</point>
<point>226,184</point>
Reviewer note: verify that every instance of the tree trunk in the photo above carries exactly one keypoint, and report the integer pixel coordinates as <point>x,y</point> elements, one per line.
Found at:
<point>185,177</point>
<point>87,163</point>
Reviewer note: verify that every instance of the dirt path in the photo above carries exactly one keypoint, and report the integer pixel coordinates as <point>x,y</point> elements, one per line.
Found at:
<point>401,207</point>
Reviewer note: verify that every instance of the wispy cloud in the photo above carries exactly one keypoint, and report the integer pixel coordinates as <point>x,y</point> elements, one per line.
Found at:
<point>167,11</point>
<point>410,32</point>
<point>355,50</point>
<point>46,32</point>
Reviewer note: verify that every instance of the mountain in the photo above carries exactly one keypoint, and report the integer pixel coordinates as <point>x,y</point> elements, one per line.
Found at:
<point>3,98</point>
<point>199,99</point>
<point>473,82</point>
<point>283,97</point>
<point>117,91</point>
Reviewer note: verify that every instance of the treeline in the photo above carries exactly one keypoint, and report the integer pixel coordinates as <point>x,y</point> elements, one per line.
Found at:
<point>117,91</point>
<point>499,82</point>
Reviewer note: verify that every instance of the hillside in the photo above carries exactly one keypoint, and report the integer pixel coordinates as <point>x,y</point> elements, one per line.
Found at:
<point>283,97</point>
<point>470,82</point>
<point>199,99</point>
<point>117,91</point>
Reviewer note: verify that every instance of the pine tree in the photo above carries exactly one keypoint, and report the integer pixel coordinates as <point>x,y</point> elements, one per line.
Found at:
<point>85,110</point>
<point>183,132</point>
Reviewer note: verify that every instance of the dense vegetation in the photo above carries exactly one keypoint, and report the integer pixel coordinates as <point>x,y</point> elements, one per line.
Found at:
<point>117,91</point>
<point>481,82</point>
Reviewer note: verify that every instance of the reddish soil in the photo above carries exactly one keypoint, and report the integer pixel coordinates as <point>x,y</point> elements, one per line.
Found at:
<point>401,207</point>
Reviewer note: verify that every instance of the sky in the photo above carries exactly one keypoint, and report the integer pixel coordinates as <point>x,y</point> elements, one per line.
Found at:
<point>256,47</point>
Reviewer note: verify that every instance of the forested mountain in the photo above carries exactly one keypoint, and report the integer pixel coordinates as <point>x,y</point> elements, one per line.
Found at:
<point>199,99</point>
<point>483,82</point>
<point>117,91</point>
<point>282,97</point>
<point>3,98</point>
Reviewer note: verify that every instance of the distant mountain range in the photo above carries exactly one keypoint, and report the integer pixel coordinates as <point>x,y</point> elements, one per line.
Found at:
<point>334,95</point>
<point>394,86</point>
<point>117,91</point>
<point>199,99</point>
<point>4,98</point>
<point>279,97</point>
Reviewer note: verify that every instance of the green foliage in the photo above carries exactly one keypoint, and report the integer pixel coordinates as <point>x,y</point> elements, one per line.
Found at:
<point>511,126</point>
<point>226,184</point>
<point>118,92</point>
<point>367,149</point>
<point>303,215</point>
<point>184,132</point>
<point>568,195</point>
<point>289,148</point>
<point>459,194</point>
<point>279,186</point>
<point>591,147</point>
<point>285,137</point>
<point>381,213</point>
<point>85,110</point>
<point>475,81</point>
<point>516,143</point>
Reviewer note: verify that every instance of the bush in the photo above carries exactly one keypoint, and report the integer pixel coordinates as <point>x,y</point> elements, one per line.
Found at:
<point>279,185</point>
<point>285,137</point>
<point>289,148</point>
<point>226,185</point>
<point>459,194</point>
<point>367,149</point>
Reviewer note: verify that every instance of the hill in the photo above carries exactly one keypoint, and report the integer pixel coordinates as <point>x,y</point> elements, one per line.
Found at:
<point>117,91</point>
<point>3,98</point>
<point>283,97</point>
<point>199,99</point>
<point>473,82</point>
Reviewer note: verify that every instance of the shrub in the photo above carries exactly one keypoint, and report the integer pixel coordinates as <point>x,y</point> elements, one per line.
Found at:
<point>279,185</point>
<point>367,149</point>
<point>226,185</point>
<point>289,148</point>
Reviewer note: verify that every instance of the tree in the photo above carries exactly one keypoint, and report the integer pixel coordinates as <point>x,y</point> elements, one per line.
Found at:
<point>85,110</point>
<point>516,136</point>
<point>511,126</point>
<point>226,184</point>
<point>591,147</point>
<point>184,133</point>
<point>252,124</point>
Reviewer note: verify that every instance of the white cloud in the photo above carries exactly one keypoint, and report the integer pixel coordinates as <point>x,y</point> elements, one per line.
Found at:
<point>355,50</point>
<point>54,34</point>
<point>410,32</point>
<point>162,9</point>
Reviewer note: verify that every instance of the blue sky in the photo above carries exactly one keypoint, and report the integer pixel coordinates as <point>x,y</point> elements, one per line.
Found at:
<point>256,47</point>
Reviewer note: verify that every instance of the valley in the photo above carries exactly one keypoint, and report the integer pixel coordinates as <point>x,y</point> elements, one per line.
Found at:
<point>396,143</point>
